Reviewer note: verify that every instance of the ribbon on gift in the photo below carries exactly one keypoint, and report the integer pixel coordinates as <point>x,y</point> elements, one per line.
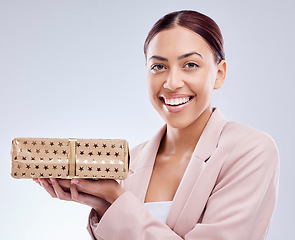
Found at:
<point>72,157</point>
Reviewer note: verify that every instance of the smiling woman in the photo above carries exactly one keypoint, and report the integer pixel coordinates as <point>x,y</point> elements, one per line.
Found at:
<point>189,72</point>
<point>201,176</point>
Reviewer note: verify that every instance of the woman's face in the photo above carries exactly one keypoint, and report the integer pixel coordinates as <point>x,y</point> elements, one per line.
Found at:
<point>181,76</point>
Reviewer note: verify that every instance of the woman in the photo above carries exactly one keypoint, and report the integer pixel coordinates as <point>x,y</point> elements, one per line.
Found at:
<point>207,177</point>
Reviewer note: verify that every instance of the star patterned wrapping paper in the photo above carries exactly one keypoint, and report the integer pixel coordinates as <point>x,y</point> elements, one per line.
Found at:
<point>69,158</point>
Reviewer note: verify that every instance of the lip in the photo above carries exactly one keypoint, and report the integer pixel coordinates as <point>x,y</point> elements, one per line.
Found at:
<point>176,108</point>
<point>171,96</point>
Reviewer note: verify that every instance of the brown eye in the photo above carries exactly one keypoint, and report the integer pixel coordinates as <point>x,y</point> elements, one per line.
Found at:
<point>158,67</point>
<point>191,65</point>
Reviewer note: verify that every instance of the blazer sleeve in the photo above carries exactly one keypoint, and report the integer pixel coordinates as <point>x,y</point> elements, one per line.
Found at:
<point>240,206</point>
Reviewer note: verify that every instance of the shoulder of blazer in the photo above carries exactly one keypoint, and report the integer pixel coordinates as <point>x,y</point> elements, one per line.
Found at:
<point>242,144</point>
<point>234,132</point>
<point>135,151</point>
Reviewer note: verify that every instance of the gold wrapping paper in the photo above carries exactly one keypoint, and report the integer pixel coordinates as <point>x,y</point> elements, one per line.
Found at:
<point>69,158</point>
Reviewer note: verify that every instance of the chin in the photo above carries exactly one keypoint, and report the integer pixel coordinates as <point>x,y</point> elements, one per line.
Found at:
<point>178,123</point>
<point>185,119</point>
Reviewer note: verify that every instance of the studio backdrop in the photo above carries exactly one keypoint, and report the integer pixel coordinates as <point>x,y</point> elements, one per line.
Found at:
<point>76,69</point>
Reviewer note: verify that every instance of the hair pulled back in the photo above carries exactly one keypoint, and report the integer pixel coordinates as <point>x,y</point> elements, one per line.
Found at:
<point>194,21</point>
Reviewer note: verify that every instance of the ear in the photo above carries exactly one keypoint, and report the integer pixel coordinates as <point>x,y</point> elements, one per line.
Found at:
<point>221,74</point>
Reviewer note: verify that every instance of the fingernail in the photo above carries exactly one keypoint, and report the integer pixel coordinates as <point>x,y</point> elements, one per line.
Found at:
<point>74,181</point>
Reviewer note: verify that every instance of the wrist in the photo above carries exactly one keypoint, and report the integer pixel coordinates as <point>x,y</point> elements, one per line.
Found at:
<point>115,194</point>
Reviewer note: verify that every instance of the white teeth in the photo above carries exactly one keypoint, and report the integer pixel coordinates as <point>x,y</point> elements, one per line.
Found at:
<point>176,101</point>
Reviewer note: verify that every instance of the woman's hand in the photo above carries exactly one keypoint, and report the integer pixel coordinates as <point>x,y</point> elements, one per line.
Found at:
<point>106,189</point>
<point>62,192</point>
<point>96,194</point>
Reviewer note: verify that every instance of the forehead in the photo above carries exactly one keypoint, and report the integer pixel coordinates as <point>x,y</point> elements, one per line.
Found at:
<point>178,41</point>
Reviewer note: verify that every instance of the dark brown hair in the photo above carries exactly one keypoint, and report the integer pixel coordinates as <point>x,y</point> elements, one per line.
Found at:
<point>194,21</point>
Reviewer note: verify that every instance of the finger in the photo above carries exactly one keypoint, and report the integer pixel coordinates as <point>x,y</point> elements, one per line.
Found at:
<point>74,194</point>
<point>85,198</point>
<point>37,181</point>
<point>106,189</point>
<point>61,194</point>
<point>64,183</point>
<point>89,186</point>
<point>47,187</point>
<point>82,197</point>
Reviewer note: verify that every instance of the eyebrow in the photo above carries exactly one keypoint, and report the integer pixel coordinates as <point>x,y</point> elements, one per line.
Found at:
<point>158,58</point>
<point>188,55</point>
<point>179,58</point>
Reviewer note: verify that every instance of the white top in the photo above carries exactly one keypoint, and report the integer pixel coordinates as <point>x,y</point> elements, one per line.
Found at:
<point>159,210</point>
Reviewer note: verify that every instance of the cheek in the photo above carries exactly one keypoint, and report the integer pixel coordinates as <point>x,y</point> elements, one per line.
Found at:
<point>204,84</point>
<point>154,85</point>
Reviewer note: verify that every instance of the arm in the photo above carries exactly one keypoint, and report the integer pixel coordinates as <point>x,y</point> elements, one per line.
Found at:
<point>240,206</point>
<point>243,200</point>
<point>65,190</point>
<point>97,194</point>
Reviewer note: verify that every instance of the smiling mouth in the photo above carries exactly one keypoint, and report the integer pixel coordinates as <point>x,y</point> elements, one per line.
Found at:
<point>176,101</point>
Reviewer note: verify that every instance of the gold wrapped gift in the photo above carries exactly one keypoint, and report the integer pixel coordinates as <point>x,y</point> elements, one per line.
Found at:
<point>69,158</point>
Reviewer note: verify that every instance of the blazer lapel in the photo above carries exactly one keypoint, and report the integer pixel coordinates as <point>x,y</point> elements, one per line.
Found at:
<point>142,166</point>
<point>190,195</point>
<point>193,184</point>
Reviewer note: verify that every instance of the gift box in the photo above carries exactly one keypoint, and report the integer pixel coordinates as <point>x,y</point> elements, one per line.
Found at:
<point>69,158</point>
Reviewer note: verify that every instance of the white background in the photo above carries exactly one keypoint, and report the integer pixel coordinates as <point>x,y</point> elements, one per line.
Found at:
<point>76,69</point>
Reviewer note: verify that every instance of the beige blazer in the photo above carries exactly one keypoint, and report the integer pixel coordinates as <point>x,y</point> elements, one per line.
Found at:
<point>228,191</point>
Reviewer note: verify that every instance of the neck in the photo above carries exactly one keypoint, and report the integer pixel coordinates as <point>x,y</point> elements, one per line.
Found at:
<point>184,140</point>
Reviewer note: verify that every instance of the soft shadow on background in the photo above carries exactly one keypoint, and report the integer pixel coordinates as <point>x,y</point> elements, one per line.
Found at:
<point>76,69</point>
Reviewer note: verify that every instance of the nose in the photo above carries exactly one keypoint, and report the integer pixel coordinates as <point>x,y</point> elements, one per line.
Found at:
<point>174,81</point>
